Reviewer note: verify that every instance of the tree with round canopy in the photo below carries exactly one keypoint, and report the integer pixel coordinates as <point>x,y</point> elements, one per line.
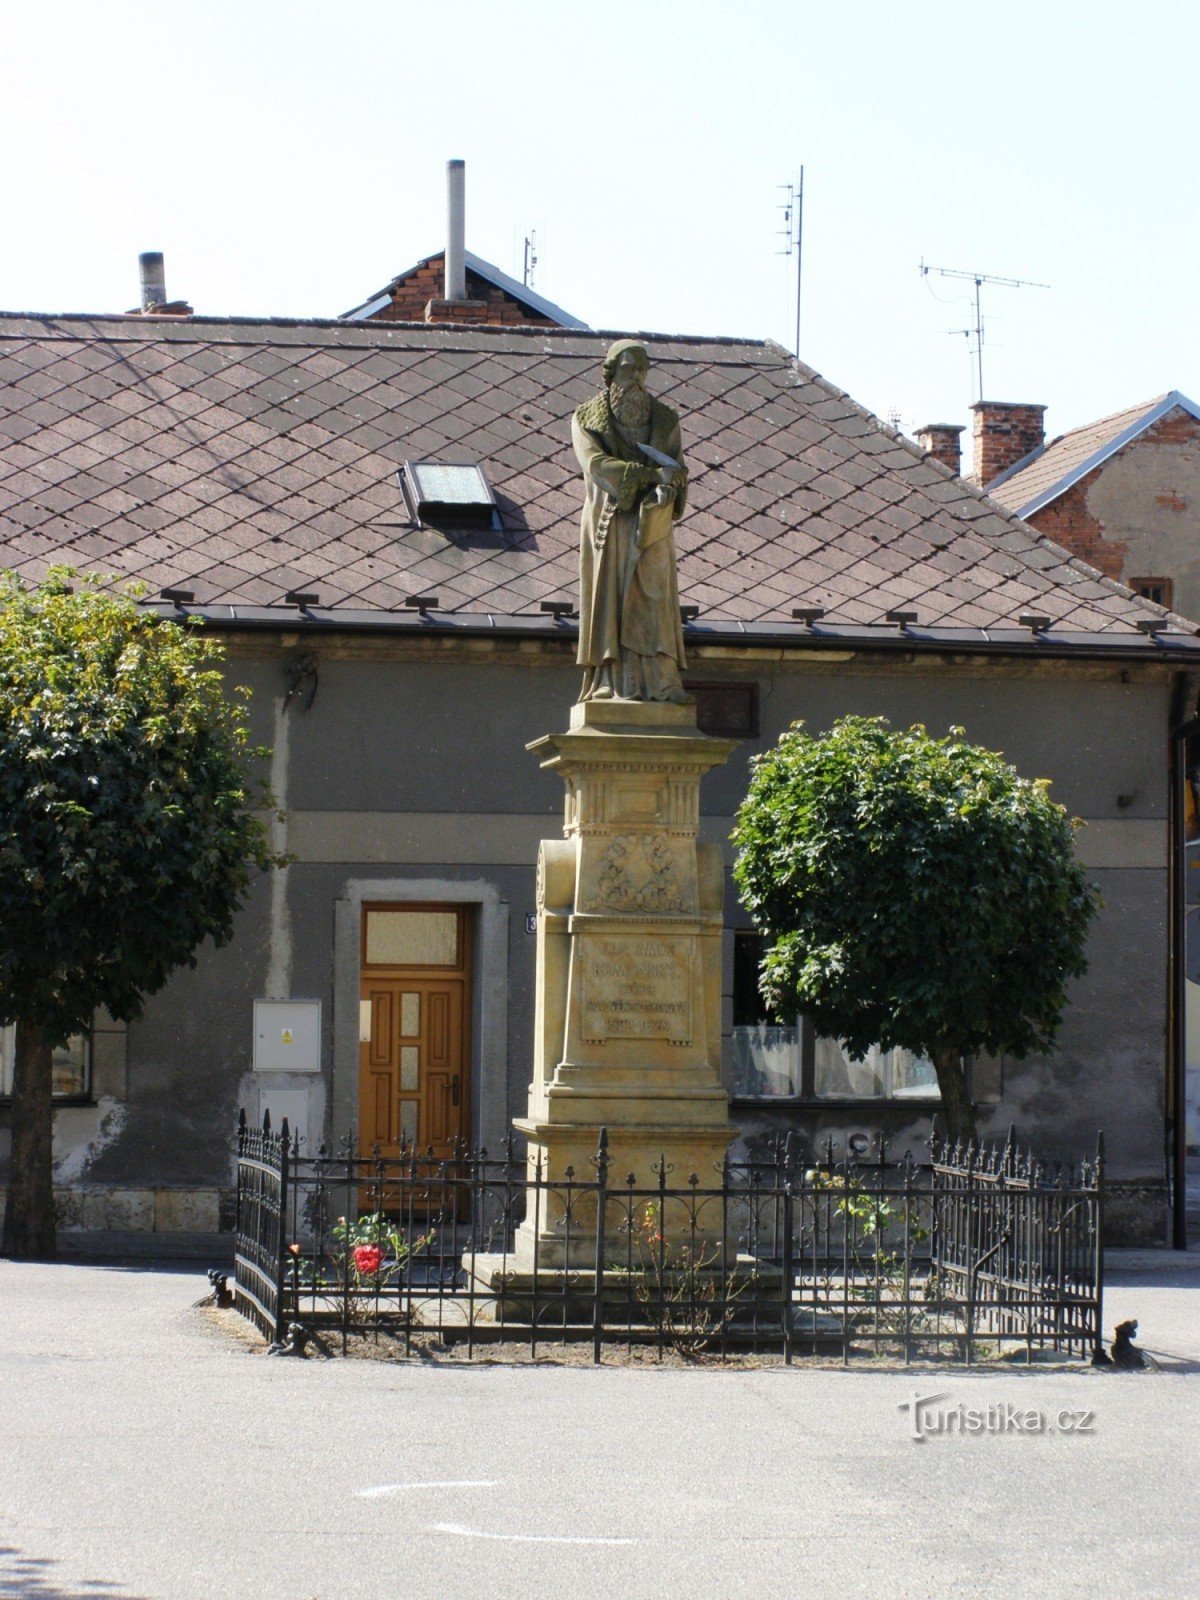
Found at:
<point>913,893</point>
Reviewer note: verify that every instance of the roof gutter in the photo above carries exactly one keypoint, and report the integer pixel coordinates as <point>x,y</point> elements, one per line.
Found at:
<point>885,638</point>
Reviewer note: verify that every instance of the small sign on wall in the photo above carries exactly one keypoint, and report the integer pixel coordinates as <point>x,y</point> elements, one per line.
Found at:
<point>287,1036</point>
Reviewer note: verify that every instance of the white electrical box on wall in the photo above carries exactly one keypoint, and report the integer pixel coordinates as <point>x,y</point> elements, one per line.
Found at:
<point>287,1036</point>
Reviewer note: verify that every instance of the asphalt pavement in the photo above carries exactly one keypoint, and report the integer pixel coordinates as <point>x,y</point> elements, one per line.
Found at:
<point>147,1457</point>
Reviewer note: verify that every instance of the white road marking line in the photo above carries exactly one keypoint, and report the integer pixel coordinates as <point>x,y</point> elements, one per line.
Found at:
<point>448,1483</point>
<point>520,1538</point>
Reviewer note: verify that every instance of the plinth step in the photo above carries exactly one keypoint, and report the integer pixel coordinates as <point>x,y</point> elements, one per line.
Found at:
<point>747,1297</point>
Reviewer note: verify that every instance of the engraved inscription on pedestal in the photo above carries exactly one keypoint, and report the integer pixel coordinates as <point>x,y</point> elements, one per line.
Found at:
<point>636,986</point>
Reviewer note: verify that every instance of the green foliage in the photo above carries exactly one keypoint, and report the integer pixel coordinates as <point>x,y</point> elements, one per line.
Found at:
<point>881,1231</point>
<point>683,1284</point>
<point>365,1260</point>
<point>126,837</point>
<point>914,892</point>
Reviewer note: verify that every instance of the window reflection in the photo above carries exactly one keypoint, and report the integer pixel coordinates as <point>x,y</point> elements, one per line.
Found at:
<point>71,1066</point>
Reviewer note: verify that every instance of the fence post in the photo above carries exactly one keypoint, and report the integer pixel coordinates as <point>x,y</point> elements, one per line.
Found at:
<point>973,1231</point>
<point>1100,1356</point>
<point>659,1246</point>
<point>281,1242</point>
<point>602,1160</point>
<point>788,1273</point>
<point>241,1145</point>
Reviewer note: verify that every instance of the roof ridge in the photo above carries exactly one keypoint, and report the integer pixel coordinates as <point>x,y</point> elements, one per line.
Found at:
<point>150,326</point>
<point>1126,411</point>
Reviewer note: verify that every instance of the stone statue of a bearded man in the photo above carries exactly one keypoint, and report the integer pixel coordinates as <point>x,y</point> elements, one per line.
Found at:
<point>630,635</point>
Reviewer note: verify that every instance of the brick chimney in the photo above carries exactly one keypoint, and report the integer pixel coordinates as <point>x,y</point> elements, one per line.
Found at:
<point>940,440</point>
<point>453,305</point>
<point>1004,431</point>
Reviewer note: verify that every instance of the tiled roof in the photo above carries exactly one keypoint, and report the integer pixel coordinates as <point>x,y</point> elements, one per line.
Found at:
<point>244,459</point>
<point>1044,474</point>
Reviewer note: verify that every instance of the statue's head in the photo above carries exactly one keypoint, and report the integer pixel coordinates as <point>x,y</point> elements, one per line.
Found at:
<point>626,364</point>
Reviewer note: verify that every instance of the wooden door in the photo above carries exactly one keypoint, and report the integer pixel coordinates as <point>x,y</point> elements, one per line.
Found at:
<point>414,1045</point>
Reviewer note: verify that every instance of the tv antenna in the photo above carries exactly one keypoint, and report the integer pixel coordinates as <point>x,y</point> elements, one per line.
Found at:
<point>792,233</point>
<point>979,279</point>
<point>531,258</point>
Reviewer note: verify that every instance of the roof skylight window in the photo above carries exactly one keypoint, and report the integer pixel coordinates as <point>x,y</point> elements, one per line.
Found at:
<point>448,494</point>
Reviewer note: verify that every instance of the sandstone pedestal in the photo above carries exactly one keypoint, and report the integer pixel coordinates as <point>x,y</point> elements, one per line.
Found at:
<point>628,1021</point>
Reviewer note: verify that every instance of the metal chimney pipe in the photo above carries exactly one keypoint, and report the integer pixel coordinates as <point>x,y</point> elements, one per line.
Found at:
<point>456,227</point>
<point>154,279</point>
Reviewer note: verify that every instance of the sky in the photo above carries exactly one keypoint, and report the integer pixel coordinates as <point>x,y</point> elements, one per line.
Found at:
<point>289,159</point>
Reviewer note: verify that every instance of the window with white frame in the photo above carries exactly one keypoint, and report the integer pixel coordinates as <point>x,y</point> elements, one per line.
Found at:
<point>782,1058</point>
<point>71,1065</point>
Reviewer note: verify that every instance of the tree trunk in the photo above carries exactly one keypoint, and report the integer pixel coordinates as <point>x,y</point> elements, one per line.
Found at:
<point>957,1112</point>
<point>29,1231</point>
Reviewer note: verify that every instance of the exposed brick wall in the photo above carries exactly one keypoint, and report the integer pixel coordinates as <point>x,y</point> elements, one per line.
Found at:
<point>1003,432</point>
<point>1072,523</point>
<point>1069,523</point>
<point>1177,427</point>
<point>941,441</point>
<point>420,298</point>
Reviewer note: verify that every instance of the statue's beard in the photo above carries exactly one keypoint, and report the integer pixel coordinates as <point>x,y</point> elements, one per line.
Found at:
<point>630,405</point>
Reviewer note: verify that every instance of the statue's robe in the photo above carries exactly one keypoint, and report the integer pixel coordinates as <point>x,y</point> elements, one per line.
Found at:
<point>630,633</point>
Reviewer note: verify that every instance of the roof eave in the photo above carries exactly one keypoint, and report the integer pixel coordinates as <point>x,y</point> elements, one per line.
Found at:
<point>887,638</point>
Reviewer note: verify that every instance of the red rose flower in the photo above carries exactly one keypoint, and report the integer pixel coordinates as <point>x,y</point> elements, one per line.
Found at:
<point>368,1258</point>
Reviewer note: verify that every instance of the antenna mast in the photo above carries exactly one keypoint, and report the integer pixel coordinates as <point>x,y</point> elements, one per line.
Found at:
<point>792,234</point>
<point>531,259</point>
<point>979,279</point>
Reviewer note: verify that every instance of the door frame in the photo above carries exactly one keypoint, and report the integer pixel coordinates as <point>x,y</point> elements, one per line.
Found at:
<point>463,973</point>
<point>487,1005</point>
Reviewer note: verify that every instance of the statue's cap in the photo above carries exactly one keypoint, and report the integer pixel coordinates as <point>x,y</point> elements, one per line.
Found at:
<point>618,349</point>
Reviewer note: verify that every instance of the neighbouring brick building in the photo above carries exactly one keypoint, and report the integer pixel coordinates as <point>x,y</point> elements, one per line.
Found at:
<point>419,295</point>
<point>1123,493</point>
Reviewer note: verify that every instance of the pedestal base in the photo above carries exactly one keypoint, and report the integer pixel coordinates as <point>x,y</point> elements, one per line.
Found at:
<point>750,1290</point>
<point>561,1198</point>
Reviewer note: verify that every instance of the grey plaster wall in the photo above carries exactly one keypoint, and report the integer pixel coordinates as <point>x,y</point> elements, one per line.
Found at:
<point>1147,498</point>
<point>414,772</point>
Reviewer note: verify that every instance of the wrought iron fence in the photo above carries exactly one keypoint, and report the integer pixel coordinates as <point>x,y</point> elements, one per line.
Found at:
<point>832,1251</point>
